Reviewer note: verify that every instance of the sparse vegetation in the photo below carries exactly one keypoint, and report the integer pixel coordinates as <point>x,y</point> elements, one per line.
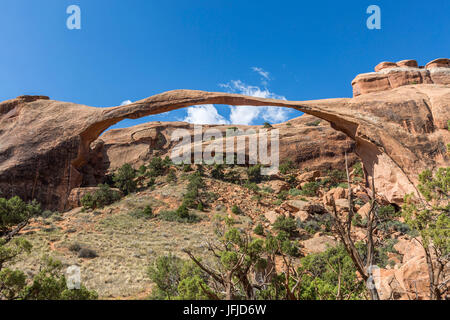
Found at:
<point>254,173</point>
<point>98,199</point>
<point>310,189</point>
<point>14,211</point>
<point>286,167</point>
<point>314,123</point>
<point>124,179</point>
<point>431,220</point>
<point>287,225</point>
<point>259,229</point>
<point>236,210</point>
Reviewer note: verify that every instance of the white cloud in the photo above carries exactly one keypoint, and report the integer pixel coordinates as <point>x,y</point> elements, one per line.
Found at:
<point>262,72</point>
<point>248,115</point>
<point>244,114</point>
<point>126,102</point>
<point>205,114</point>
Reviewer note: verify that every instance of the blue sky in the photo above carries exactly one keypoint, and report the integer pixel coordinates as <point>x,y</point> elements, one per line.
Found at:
<point>129,50</point>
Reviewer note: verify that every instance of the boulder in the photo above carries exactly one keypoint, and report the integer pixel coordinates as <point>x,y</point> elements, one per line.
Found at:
<point>271,216</point>
<point>385,65</point>
<point>309,176</point>
<point>364,210</point>
<point>277,186</point>
<point>319,244</point>
<point>300,205</point>
<point>438,63</point>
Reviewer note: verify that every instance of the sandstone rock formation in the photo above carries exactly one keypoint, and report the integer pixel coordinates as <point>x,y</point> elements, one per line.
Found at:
<point>390,75</point>
<point>302,140</point>
<point>45,145</point>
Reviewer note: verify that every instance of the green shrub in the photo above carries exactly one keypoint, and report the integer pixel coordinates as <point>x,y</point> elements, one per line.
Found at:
<point>171,176</point>
<point>314,123</point>
<point>124,179</point>
<point>98,199</point>
<point>259,229</point>
<point>142,170</point>
<point>254,173</point>
<point>321,281</point>
<point>217,172</point>
<point>286,166</point>
<point>358,170</point>
<point>176,279</point>
<point>283,195</point>
<point>336,176</point>
<point>252,186</point>
<point>146,213</point>
<point>156,167</point>
<point>295,192</point>
<point>236,210</point>
<point>14,211</point>
<point>151,182</point>
<point>287,225</point>
<point>178,215</point>
<point>267,125</point>
<point>310,189</point>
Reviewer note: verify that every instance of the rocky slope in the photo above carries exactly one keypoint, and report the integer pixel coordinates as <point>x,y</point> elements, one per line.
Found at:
<point>45,144</point>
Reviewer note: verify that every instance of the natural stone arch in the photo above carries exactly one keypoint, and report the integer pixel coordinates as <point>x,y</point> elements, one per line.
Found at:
<point>44,143</point>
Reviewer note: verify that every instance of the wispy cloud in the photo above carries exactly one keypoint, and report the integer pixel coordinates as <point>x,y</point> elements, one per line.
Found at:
<point>205,114</point>
<point>262,72</point>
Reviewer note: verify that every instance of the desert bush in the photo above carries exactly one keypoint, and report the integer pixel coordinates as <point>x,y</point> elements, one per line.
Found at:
<point>87,253</point>
<point>217,172</point>
<point>336,176</point>
<point>145,213</point>
<point>142,170</point>
<point>171,176</point>
<point>287,225</point>
<point>259,229</point>
<point>358,170</point>
<point>176,279</point>
<point>236,210</point>
<point>330,275</point>
<point>75,247</point>
<point>14,211</point>
<point>283,195</point>
<point>181,215</point>
<point>156,167</point>
<point>98,199</point>
<point>49,284</point>
<point>254,173</point>
<point>314,123</point>
<point>286,166</point>
<point>310,189</point>
<point>295,192</point>
<point>430,219</point>
<point>124,179</point>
